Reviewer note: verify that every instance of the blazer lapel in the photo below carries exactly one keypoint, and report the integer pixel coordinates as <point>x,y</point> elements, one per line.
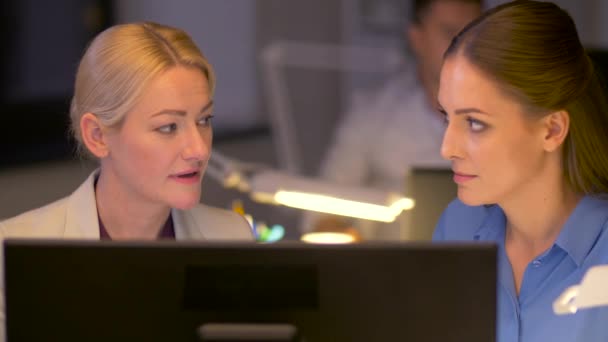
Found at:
<point>82,221</point>
<point>185,226</point>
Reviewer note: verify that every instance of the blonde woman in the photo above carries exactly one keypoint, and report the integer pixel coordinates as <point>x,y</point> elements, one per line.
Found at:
<point>142,107</point>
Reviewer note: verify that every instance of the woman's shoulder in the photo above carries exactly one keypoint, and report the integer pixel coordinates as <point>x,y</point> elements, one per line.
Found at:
<point>46,221</point>
<point>460,221</point>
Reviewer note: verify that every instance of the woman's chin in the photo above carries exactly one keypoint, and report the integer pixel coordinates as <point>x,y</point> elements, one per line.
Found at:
<point>469,200</point>
<point>185,203</point>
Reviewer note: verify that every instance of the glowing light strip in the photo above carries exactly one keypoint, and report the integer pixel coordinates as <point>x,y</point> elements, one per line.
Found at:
<point>327,237</point>
<point>337,206</point>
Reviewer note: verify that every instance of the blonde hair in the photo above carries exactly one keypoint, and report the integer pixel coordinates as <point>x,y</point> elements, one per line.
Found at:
<point>121,62</point>
<point>533,51</point>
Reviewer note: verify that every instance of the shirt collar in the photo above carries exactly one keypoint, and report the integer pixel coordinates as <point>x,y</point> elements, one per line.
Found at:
<point>492,227</point>
<point>576,238</point>
<point>583,227</point>
<point>167,231</point>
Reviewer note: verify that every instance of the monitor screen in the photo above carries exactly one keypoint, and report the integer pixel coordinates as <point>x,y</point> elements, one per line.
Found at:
<point>432,189</point>
<point>192,291</point>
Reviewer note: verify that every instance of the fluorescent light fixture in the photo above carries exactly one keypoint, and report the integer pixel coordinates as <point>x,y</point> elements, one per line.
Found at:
<point>591,292</point>
<point>280,188</point>
<point>338,206</point>
<point>322,196</point>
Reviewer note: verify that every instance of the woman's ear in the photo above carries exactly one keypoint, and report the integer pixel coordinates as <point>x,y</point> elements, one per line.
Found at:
<point>93,135</point>
<point>556,125</point>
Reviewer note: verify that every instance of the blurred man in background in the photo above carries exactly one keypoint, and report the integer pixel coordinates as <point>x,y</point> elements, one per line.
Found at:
<point>388,132</point>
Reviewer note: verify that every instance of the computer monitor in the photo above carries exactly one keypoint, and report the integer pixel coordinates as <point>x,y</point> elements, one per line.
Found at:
<point>191,291</point>
<point>432,189</point>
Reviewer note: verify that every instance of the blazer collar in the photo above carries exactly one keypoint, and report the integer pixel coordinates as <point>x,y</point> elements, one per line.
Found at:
<point>82,220</point>
<point>186,227</point>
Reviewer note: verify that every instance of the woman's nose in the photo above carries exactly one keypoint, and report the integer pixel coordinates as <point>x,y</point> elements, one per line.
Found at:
<point>198,144</point>
<point>451,141</point>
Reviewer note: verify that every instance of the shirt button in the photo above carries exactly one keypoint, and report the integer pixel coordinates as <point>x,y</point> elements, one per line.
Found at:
<point>537,263</point>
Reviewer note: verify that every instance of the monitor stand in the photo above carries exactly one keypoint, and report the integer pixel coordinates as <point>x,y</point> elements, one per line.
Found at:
<point>224,332</point>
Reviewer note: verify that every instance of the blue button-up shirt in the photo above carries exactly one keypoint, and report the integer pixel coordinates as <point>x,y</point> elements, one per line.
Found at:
<point>529,317</point>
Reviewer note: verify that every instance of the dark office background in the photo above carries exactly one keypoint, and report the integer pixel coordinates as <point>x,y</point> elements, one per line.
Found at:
<point>42,43</point>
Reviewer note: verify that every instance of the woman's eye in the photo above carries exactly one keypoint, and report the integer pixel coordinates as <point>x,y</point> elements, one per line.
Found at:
<point>167,129</point>
<point>476,125</point>
<point>205,121</point>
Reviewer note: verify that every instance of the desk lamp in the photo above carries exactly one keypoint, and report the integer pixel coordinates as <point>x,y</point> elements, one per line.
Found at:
<point>270,186</point>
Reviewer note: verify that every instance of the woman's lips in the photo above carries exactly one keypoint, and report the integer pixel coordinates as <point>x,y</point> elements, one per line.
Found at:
<point>189,177</point>
<point>461,178</point>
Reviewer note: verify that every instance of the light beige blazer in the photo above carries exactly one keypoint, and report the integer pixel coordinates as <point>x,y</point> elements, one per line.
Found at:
<point>75,217</point>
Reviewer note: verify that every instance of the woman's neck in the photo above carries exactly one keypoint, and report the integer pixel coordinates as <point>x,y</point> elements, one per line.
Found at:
<point>535,219</point>
<point>125,215</point>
